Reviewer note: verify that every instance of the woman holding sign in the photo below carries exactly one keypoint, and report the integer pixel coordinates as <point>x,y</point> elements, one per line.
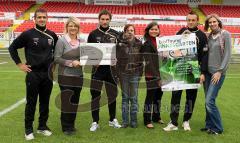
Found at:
<point>152,76</point>
<point>70,76</point>
<point>219,47</point>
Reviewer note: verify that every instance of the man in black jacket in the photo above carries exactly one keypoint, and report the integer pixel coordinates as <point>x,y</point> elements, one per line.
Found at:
<point>39,43</point>
<point>191,94</point>
<point>103,73</point>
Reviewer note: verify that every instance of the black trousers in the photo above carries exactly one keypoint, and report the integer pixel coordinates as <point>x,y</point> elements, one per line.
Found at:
<point>152,102</point>
<point>37,84</point>
<point>189,105</point>
<point>103,75</point>
<point>70,87</point>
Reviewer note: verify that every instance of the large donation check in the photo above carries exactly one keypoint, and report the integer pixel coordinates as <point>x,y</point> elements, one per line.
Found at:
<point>179,66</point>
<point>98,54</point>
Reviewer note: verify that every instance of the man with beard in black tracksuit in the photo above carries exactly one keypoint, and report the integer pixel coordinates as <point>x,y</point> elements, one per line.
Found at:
<point>191,94</point>
<point>103,73</point>
<point>38,43</point>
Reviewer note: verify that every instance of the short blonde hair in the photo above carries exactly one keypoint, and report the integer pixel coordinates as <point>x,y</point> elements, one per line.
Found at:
<point>74,20</point>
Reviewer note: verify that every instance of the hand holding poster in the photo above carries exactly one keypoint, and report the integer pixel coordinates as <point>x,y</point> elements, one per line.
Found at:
<point>98,54</point>
<point>179,66</point>
<point>236,46</point>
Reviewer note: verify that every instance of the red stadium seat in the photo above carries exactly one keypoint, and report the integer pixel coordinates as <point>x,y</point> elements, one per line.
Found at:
<point>15,6</point>
<point>138,9</point>
<point>221,10</point>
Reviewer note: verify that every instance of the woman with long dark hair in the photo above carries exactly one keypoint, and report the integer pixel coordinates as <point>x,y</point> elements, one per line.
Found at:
<point>152,76</point>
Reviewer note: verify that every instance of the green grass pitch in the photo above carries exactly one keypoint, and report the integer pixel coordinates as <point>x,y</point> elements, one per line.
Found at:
<point>12,89</point>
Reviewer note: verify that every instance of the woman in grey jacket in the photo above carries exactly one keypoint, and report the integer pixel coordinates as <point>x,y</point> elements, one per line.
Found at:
<point>70,77</point>
<point>219,46</point>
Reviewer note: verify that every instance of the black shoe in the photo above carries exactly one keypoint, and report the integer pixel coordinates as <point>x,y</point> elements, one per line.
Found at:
<point>212,132</point>
<point>74,129</point>
<point>124,125</point>
<point>204,129</point>
<point>133,125</point>
<point>70,132</point>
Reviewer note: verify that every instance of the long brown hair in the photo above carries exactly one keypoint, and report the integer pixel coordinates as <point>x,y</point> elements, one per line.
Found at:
<point>212,16</point>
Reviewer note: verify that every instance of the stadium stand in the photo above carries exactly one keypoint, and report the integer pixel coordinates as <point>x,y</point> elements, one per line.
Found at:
<point>142,8</point>
<point>221,10</point>
<point>58,27</point>
<point>15,6</point>
<point>4,24</point>
<point>86,27</point>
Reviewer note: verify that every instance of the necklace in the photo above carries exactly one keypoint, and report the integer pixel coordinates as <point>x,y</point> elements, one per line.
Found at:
<point>214,36</point>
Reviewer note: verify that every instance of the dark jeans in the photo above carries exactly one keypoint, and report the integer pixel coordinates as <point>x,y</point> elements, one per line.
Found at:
<point>129,87</point>
<point>152,103</point>
<point>191,95</point>
<point>213,117</point>
<point>103,75</point>
<point>37,84</point>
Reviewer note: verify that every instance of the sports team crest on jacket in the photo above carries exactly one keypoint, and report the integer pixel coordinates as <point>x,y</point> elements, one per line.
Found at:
<point>50,42</point>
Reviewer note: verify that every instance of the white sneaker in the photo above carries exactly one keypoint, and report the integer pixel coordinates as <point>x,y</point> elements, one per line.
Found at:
<point>114,123</point>
<point>186,126</point>
<point>29,137</point>
<point>170,127</point>
<point>45,132</point>
<point>94,127</point>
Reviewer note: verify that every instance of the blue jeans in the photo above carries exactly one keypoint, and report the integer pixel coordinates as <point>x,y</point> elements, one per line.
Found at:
<point>129,86</point>
<point>213,118</point>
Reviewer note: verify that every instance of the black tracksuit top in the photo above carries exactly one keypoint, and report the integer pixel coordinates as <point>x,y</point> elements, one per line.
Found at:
<point>103,35</point>
<point>38,46</point>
